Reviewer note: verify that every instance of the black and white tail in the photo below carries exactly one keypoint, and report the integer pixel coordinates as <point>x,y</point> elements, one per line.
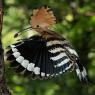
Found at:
<point>81,73</point>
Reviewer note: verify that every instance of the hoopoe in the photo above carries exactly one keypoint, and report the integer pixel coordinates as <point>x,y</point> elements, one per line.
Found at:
<point>46,54</point>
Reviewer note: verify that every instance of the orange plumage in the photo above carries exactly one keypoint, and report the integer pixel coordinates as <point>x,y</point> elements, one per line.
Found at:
<point>42,18</point>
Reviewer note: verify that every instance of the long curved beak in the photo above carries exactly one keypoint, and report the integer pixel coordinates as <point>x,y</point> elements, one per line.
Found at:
<point>23,30</point>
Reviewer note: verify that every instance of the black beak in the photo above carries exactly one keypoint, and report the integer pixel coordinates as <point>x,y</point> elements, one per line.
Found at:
<point>19,33</point>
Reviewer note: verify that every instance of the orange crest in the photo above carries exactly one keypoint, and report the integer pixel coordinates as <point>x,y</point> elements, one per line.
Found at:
<point>42,18</point>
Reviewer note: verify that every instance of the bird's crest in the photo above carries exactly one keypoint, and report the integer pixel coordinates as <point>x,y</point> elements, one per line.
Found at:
<point>42,16</point>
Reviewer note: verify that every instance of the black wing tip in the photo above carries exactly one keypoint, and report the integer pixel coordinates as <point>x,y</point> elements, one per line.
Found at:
<point>10,58</point>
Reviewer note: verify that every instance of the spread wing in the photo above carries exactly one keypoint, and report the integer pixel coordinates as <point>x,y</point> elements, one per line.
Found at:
<point>37,57</point>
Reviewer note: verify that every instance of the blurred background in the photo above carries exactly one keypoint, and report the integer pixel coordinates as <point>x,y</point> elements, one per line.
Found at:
<point>76,22</point>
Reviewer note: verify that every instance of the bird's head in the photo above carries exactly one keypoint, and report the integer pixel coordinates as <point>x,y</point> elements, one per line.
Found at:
<point>42,19</point>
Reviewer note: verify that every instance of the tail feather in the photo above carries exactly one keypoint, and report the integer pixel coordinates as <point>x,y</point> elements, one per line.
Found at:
<point>82,74</point>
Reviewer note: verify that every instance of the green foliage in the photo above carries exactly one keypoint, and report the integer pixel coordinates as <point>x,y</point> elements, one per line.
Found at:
<point>72,24</point>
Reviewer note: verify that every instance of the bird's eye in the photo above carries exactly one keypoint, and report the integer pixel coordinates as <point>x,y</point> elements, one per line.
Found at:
<point>37,25</point>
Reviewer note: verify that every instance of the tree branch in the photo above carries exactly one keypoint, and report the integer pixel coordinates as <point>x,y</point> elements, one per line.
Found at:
<point>3,87</point>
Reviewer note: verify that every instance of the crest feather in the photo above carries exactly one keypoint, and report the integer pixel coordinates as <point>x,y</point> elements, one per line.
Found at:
<point>44,16</point>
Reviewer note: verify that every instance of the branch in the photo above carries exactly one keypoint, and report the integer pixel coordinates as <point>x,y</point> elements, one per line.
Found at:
<point>3,87</point>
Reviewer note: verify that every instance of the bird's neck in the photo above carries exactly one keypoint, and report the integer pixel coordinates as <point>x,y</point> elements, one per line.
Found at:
<point>48,33</point>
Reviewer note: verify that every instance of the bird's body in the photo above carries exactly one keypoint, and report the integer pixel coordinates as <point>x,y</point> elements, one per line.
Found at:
<point>46,55</point>
<point>49,54</point>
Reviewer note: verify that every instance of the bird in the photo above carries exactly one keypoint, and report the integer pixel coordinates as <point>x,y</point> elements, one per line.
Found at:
<point>46,54</point>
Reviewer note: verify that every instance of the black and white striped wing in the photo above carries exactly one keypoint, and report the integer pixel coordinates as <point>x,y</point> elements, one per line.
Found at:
<point>37,57</point>
<point>31,57</point>
<point>65,58</point>
<point>62,55</point>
